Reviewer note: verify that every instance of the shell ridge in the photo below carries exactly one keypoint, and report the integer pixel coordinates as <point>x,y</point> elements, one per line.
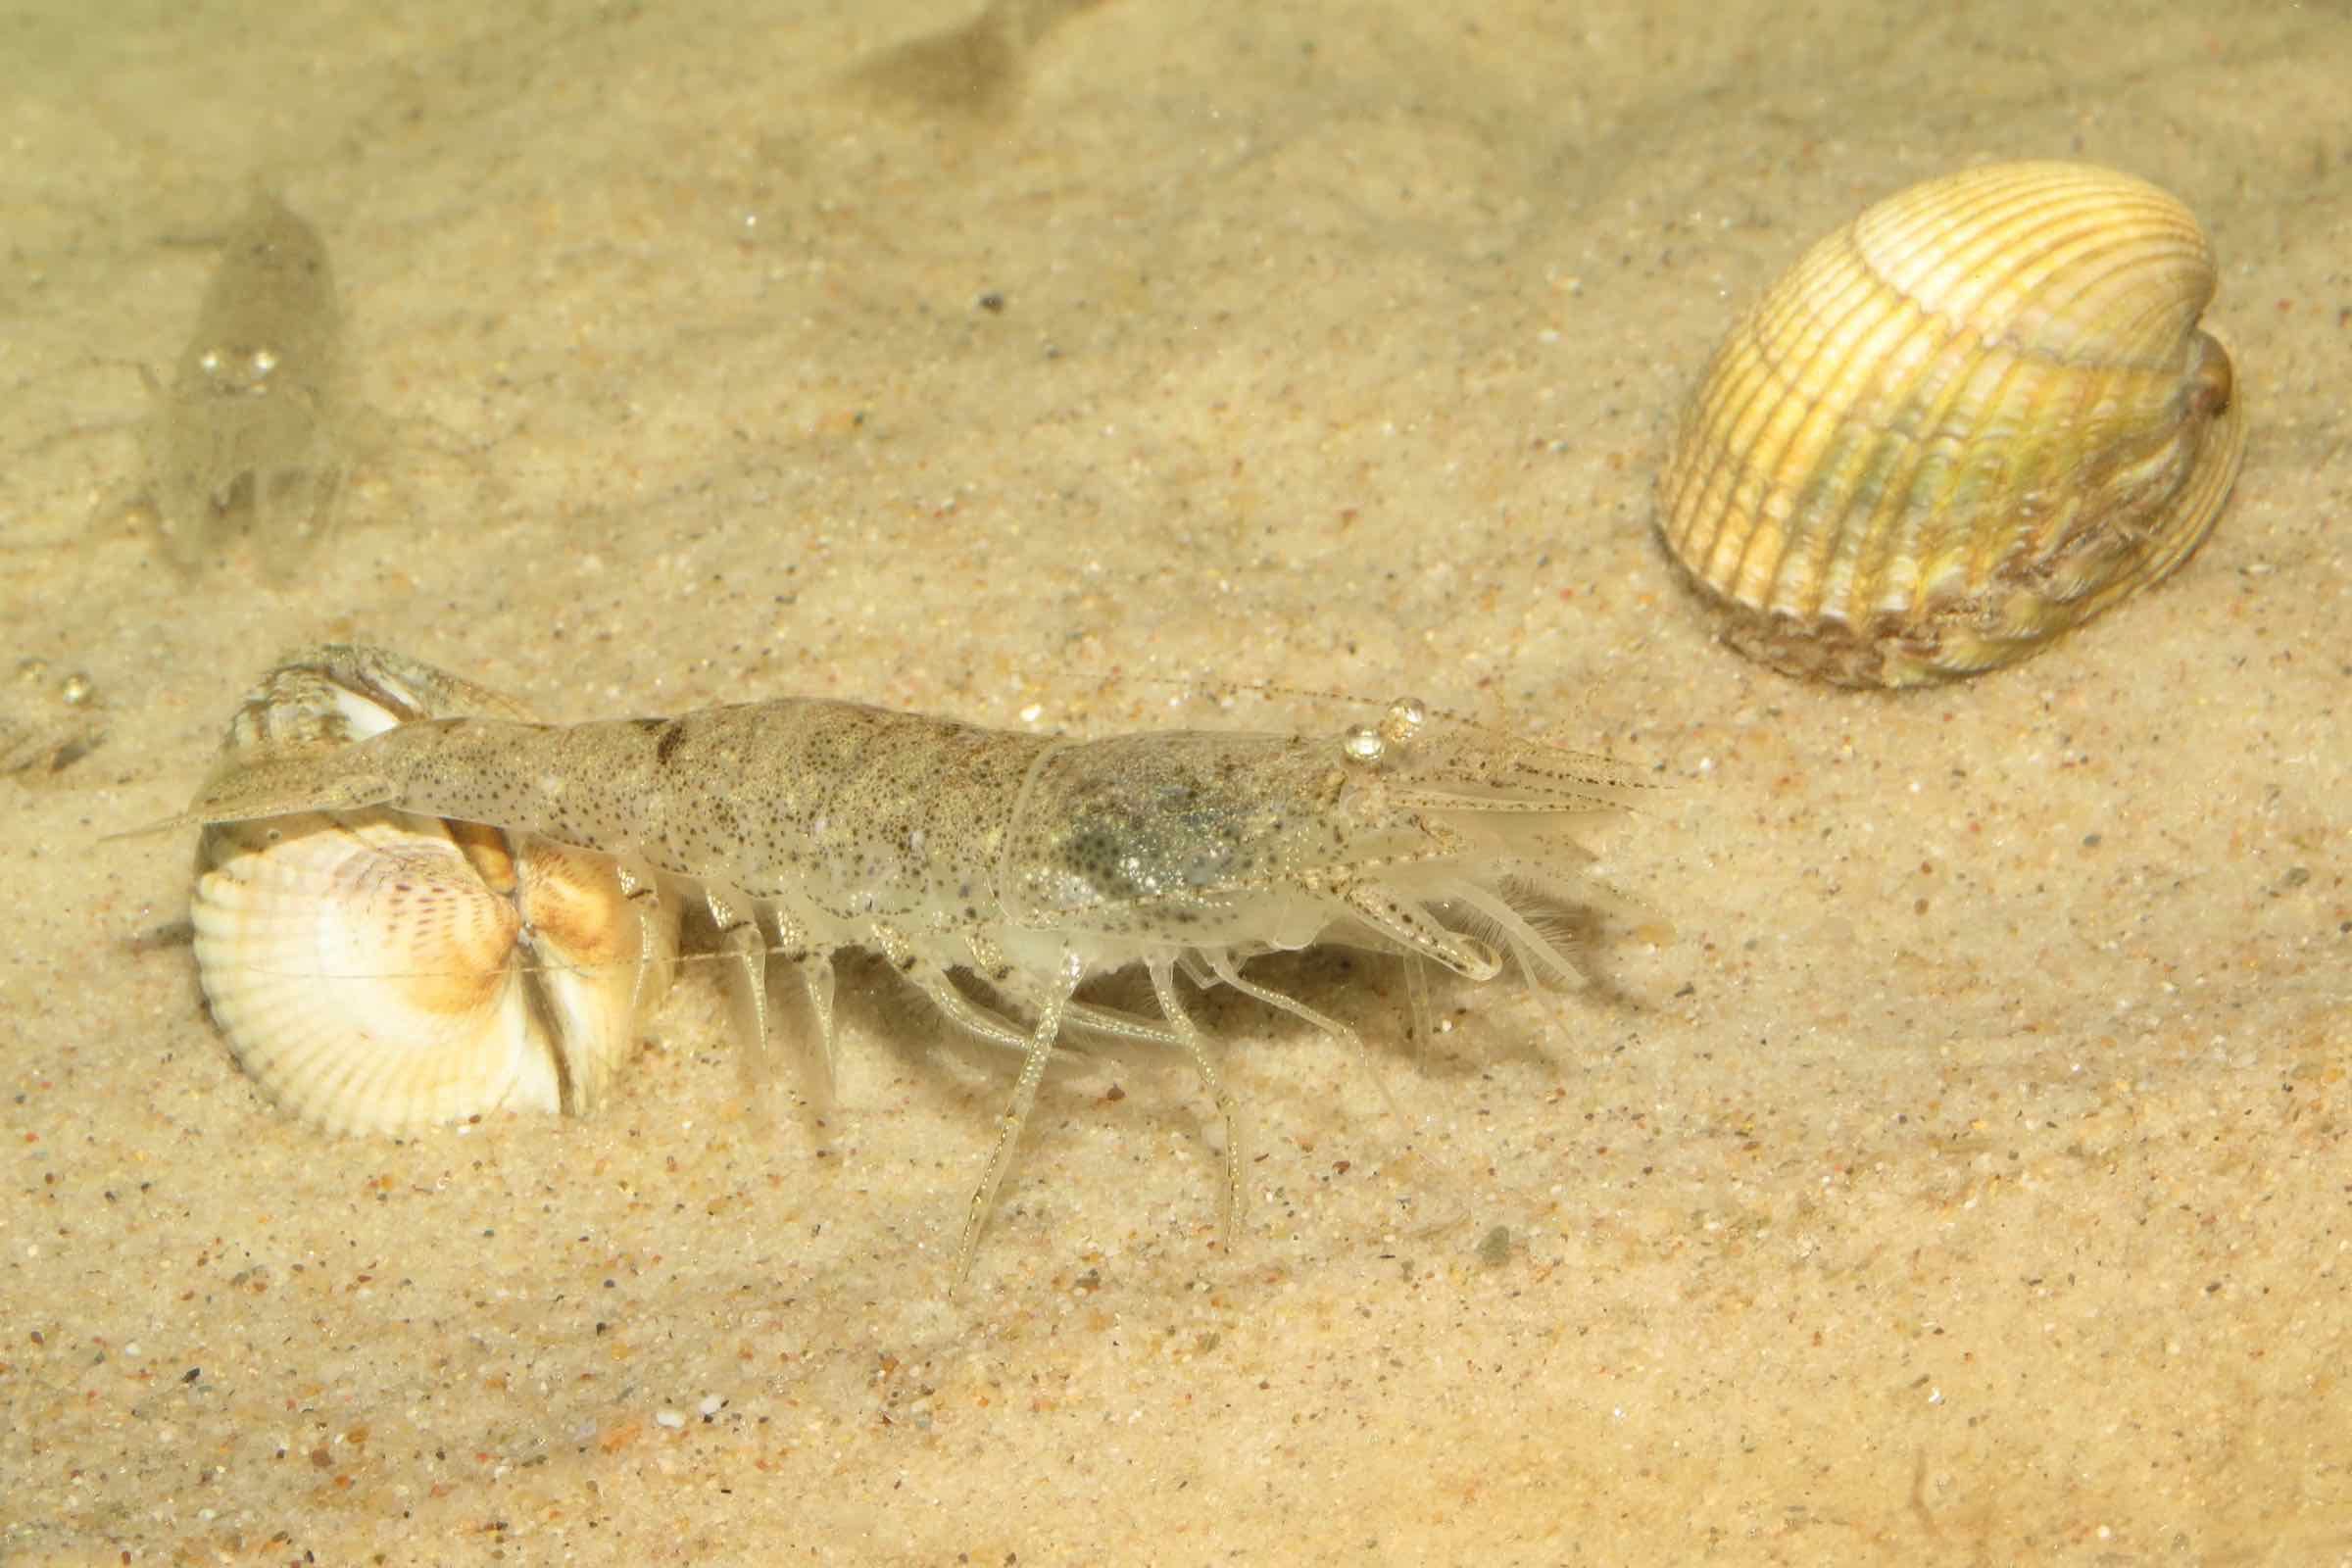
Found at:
<point>1795,331</point>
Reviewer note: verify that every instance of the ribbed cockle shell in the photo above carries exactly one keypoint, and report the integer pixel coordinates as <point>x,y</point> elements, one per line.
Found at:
<point>1977,416</point>
<point>376,971</point>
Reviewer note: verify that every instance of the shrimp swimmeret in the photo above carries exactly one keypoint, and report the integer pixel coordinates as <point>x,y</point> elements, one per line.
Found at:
<point>804,826</point>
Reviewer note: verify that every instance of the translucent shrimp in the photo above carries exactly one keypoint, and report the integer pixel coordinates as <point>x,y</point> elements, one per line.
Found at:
<point>252,423</point>
<point>1031,862</point>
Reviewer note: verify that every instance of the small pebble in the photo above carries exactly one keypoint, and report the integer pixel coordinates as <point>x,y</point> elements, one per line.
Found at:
<point>1494,1249</point>
<point>672,1419</point>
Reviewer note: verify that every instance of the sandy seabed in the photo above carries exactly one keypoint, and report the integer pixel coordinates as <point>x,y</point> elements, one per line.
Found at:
<point>1965,1180</point>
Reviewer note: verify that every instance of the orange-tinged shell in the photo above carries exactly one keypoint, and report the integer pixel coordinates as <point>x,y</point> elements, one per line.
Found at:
<point>1977,416</point>
<point>378,971</point>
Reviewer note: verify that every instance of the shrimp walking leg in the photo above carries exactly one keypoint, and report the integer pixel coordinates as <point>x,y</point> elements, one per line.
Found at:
<point>1039,1050</point>
<point>1164,986</point>
<point>743,975</point>
<point>816,984</point>
<point>1225,971</point>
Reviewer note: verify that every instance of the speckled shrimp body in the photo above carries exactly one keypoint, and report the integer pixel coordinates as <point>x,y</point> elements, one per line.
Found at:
<point>1029,862</point>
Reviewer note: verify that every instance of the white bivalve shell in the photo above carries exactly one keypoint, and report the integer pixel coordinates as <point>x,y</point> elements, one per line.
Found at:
<point>1976,416</point>
<point>377,971</point>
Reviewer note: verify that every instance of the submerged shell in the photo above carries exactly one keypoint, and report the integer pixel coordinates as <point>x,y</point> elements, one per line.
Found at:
<point>376,970</point>
<point>1974,418</point>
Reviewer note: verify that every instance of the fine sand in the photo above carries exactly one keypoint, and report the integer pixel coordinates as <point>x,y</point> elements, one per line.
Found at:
<point>1958,1173</point>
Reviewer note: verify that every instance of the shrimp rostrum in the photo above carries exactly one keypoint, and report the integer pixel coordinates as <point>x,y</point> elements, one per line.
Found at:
<point>1029,863</point>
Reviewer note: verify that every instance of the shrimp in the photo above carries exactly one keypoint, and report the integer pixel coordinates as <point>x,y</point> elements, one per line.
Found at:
<point>253,419</point>
<point>1032,862</point>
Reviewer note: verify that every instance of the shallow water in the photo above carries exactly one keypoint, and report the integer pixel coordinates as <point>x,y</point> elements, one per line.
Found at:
<point>1964,1181</point>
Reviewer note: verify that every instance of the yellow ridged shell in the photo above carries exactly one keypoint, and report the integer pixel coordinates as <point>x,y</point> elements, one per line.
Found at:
<point>1977,416</point>
<point>378,971</point>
